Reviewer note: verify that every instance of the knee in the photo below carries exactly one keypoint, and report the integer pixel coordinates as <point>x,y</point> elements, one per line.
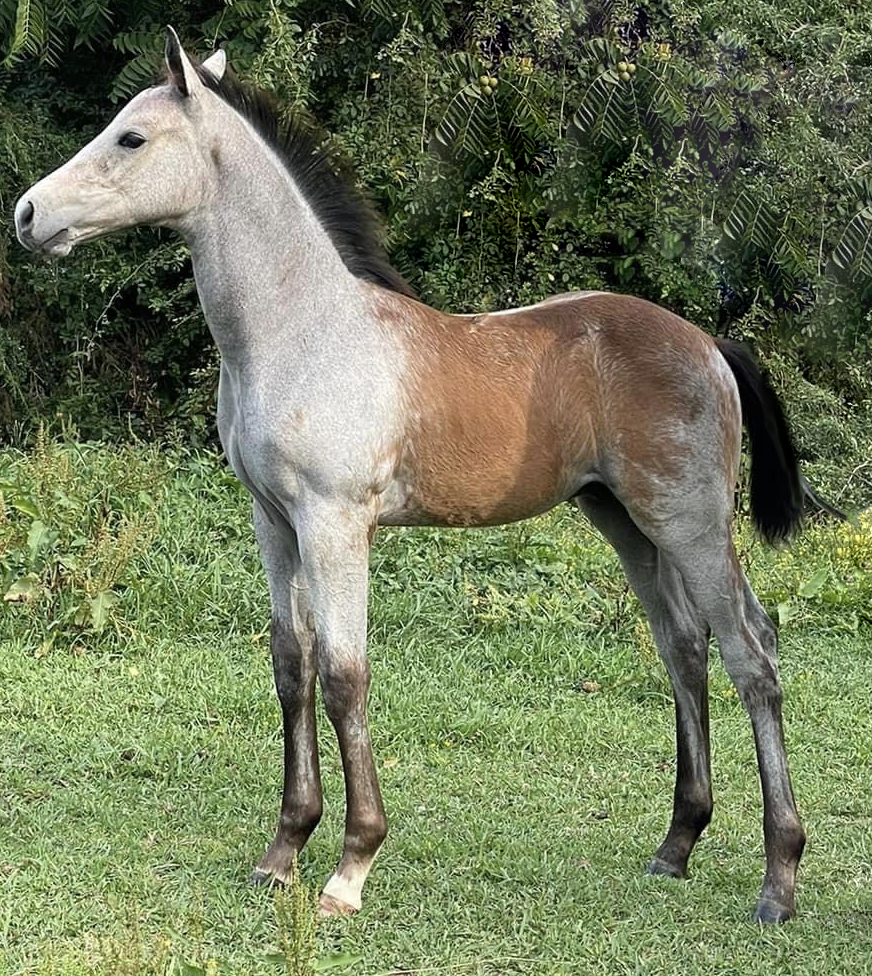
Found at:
<point>692,647</point>
<point>759,629</point>
<point>293,665</point>
<point>758,685</point>
<point>767,635</point>
<point>284,641</point>
<point>345,684</point>
<point>685,654</point>
<point>291,683</point>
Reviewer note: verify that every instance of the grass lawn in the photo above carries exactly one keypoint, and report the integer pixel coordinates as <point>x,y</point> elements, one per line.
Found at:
<point>522,723</point>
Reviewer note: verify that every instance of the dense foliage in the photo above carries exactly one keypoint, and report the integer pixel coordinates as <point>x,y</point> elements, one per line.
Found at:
<point>710,155</point>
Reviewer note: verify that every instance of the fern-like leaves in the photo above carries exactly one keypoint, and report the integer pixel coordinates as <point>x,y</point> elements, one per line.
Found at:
<point>853,254</point>
<point>773,241</point>
<point>751,223</point>
<point>41,28</point>
<point>28,32</point>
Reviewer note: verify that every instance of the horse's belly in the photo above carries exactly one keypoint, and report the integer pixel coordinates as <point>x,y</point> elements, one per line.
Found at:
<point>466,484</point>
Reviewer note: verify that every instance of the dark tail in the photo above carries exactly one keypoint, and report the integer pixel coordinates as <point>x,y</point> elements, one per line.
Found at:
<point>778,488</point>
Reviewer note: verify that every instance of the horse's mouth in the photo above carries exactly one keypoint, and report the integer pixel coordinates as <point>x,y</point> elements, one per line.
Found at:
<point>58,245</point>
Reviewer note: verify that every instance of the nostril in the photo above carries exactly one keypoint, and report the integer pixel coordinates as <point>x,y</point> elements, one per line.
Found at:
<point>25,217</point>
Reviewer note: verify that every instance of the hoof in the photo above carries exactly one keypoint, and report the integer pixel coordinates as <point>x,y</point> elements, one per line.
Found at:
<point>657,866</point>
<point>265,879</point>
<point>328,905</point>
<point>772,912</point>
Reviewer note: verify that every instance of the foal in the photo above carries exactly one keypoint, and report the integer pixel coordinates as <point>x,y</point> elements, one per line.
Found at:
<point>344,404</point>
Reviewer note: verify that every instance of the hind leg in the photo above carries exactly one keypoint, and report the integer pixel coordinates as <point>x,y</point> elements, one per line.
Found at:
<point>704,554</point>
<point>682,640</point>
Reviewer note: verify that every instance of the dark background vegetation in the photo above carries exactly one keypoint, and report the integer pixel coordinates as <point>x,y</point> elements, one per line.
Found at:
<point>710,155</point>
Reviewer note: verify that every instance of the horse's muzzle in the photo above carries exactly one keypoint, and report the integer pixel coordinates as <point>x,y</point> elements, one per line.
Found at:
<point>24,214</point>
<point>27,230</point>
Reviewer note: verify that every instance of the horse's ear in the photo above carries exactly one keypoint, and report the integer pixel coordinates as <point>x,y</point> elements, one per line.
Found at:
<point>216,64</point>
<point>181,71</point>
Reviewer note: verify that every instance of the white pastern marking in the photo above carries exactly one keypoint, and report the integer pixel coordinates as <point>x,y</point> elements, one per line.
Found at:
<point>345,891</point>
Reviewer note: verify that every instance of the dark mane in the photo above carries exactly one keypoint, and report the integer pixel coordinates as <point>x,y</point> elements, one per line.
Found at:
<point>324,181</point>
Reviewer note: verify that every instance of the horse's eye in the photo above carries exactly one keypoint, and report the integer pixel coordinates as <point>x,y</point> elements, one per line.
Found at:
<point>131,140</point>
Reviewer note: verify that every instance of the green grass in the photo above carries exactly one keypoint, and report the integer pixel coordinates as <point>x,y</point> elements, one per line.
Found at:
<point>522,723</point>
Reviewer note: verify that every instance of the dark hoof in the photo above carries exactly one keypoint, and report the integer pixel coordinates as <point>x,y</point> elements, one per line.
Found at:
<point>659,867</point>
<point>263,879</point>
<point>771,912</point>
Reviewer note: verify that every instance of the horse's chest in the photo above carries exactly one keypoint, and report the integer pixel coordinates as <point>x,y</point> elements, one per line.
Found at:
<point>252,445</point>
<point>280,452</point>
<point>290,442</point>
<point>245,452</point>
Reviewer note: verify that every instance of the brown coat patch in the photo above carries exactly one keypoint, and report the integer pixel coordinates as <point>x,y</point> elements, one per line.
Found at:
<point>510,414</point>
<point>499,421</point>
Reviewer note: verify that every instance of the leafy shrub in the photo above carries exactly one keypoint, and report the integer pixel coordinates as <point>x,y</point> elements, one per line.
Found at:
<point>709,157</point>
<point>72,521</point>
<point>823,579</point>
